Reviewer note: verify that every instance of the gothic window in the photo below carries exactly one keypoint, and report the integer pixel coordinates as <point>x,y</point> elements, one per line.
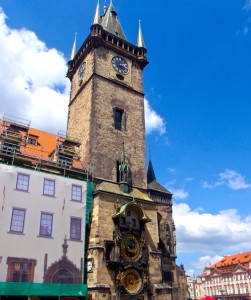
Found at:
<point>17,220</point>
<point>118,118</point>
<point>75,231</point>
<point>76,193</point>
<point>49,187</point>
<point>46,224</point>
<point>22,182</point>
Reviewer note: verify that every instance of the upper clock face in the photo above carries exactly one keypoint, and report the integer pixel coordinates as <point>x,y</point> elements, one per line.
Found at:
<point>131,247</point>
<point>81,71</point>
<point>120,65</point>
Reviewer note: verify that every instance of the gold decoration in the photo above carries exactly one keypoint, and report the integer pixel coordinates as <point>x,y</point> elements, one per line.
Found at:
<point>131,281</point>
<point>131,248</point>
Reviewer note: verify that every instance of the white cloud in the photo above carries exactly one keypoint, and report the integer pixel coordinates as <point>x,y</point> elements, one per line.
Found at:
<point>230,178</point>
<point>214,234</point>
<point>33,84</point>
<point>179,193</point>
<point>153,121</point>
<point>201,263</point>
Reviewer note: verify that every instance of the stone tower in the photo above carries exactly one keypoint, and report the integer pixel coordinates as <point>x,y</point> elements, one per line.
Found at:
<point>131,239</point>
<point>107,101</point>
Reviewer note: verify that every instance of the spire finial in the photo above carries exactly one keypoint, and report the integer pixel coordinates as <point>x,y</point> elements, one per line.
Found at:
<point>74,48</point>
<point>140,43</point>
<point>96,19</point>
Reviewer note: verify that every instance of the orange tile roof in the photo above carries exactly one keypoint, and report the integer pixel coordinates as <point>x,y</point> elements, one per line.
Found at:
<point>46,144</point>
<point>235,259</point>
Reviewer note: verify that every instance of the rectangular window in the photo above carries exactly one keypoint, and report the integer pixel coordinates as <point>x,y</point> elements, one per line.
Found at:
<point>17,220</point>
<point>32,141</point>
<point>118,117</point>
<point>75,232</point>
<point>22,182</point>
<point>49,187</point>
<point>76,193</point>
<point>46,224</point>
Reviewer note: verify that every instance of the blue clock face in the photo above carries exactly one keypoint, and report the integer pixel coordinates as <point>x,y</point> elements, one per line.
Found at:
<point>81,71</point>
<point>120,65</point>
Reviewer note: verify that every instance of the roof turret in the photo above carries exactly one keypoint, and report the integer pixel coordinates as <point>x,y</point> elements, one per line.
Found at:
<point>110,22</point>
<point>74,48</point>
<point>97,18</point>
<point>140,42</point>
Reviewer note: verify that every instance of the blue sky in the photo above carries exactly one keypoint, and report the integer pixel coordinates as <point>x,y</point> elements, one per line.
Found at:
<point>198,97</point>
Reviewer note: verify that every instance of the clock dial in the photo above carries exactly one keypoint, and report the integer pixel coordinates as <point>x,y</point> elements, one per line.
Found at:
<point>131,248</point>
<point>89,265</point>
<point>132,282</point>
<point>120,65</point>
<point>81,71</point>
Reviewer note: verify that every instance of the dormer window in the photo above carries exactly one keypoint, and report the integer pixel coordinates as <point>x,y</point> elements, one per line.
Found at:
<point>32,140</point>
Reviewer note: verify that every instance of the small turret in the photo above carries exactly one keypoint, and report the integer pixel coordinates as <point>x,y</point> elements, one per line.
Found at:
<point>140,43</point>
<point>97,19</point>
<point>74,48</point>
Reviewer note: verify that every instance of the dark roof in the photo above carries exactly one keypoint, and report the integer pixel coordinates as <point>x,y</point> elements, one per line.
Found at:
<point>154,185</point>
<point>110,22</point>
<point>150,173</point>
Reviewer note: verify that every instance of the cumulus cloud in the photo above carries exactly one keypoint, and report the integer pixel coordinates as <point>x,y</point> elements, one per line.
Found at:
<point>230,178</point>
<point>179,193</point>
<point>33,83</point>
<point>201,263</point>
<point>214,234</point>
<point>154,122</point>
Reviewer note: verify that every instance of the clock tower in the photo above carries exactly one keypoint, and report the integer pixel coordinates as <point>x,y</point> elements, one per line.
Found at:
<point>130,250</point>
<point>106,105</point>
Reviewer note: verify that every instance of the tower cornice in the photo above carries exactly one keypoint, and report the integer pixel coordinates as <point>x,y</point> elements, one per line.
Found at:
<point>98,38</point>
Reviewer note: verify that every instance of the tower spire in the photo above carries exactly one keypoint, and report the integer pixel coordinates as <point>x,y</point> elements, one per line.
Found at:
<point>150,173</point>
<point>74,48</point>
<point>140,42</point>
<point>96,19</point>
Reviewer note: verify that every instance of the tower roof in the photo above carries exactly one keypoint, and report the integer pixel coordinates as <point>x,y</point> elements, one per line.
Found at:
<point>110,22</point>
<point>150,173</point>
<point>74,48</point>
<point>97,19</point>
<point>152,182</point>
<point>140,42</point>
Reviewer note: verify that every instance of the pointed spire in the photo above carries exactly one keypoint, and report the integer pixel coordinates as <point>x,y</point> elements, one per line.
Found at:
<point>96,19</point>
<point>150,173</point>
<point>110,22</point>
<point>74,48</point>
<point>140,43</point>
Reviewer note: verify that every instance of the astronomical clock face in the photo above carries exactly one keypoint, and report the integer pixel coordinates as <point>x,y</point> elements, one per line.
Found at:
<point>132,282</point>
<point>131,248</point>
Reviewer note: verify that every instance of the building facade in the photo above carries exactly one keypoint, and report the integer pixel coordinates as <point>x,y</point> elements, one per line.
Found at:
<point>43,216</point>
<point>131,249</point>
<point>229,278</point>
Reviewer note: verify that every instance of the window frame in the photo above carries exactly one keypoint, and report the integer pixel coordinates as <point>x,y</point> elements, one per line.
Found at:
<point>119,116</point>
<point>20,186</point>
<point>75,233</point>
<point>17,220</point>
<point>46,224</point>
<point>45,190</point>
<point>75,195</point>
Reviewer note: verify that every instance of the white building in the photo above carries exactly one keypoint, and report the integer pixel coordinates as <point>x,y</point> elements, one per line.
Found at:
<point>43,209</point>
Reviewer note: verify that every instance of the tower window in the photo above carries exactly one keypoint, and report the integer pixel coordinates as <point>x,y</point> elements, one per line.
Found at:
<point>118,118</point>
